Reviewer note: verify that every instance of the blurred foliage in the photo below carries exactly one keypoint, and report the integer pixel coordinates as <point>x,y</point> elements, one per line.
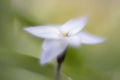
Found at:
<point>20,52</point>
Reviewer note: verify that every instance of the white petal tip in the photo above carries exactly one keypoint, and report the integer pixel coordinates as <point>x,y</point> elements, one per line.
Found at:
<point>85,18</point>
<point>43,62</point>
<point>25,29</point>
<point>99,40</point>
<point>102,40</point>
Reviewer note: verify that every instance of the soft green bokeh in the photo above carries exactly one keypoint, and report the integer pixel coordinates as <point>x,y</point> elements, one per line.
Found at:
<point>20,51</point>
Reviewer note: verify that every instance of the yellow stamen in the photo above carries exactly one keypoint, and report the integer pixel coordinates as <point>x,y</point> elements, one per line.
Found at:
<point>65,34</point>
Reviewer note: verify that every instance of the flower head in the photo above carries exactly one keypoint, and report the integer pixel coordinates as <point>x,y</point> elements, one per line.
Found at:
<point>58,37</point>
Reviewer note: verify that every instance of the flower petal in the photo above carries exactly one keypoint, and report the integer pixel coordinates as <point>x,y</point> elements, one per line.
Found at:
<point>52,49</point>
<point>73,40</point>
<point>74,26</point>
<point>87,38</point>
<point>48,32</point>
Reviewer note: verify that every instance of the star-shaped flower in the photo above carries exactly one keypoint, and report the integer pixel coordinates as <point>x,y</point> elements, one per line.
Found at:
<point>58,37</point>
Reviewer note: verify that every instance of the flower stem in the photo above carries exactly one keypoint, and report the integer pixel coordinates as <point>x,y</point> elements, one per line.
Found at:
<point>60,60</point>
<point>58,72</point>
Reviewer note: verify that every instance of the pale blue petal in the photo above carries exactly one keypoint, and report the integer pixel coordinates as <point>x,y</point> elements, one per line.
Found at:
<point>87,38</point>
<point>48,32</point>
<point>74,26</point>
<point>51,49</point>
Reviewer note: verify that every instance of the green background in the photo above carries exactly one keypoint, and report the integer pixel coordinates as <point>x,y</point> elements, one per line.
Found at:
<point>20,51</point>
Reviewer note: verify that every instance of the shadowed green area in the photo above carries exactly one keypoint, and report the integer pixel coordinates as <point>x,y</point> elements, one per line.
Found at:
<point>12,60</point>
<point>20,51</point>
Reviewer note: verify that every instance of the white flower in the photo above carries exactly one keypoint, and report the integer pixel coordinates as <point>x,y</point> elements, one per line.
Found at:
<point>58,37</point>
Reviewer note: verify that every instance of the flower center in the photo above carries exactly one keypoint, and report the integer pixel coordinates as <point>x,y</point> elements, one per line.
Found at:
<point>65,34</point>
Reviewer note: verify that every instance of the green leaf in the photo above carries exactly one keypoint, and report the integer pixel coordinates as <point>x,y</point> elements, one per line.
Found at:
<point>18,62</point>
